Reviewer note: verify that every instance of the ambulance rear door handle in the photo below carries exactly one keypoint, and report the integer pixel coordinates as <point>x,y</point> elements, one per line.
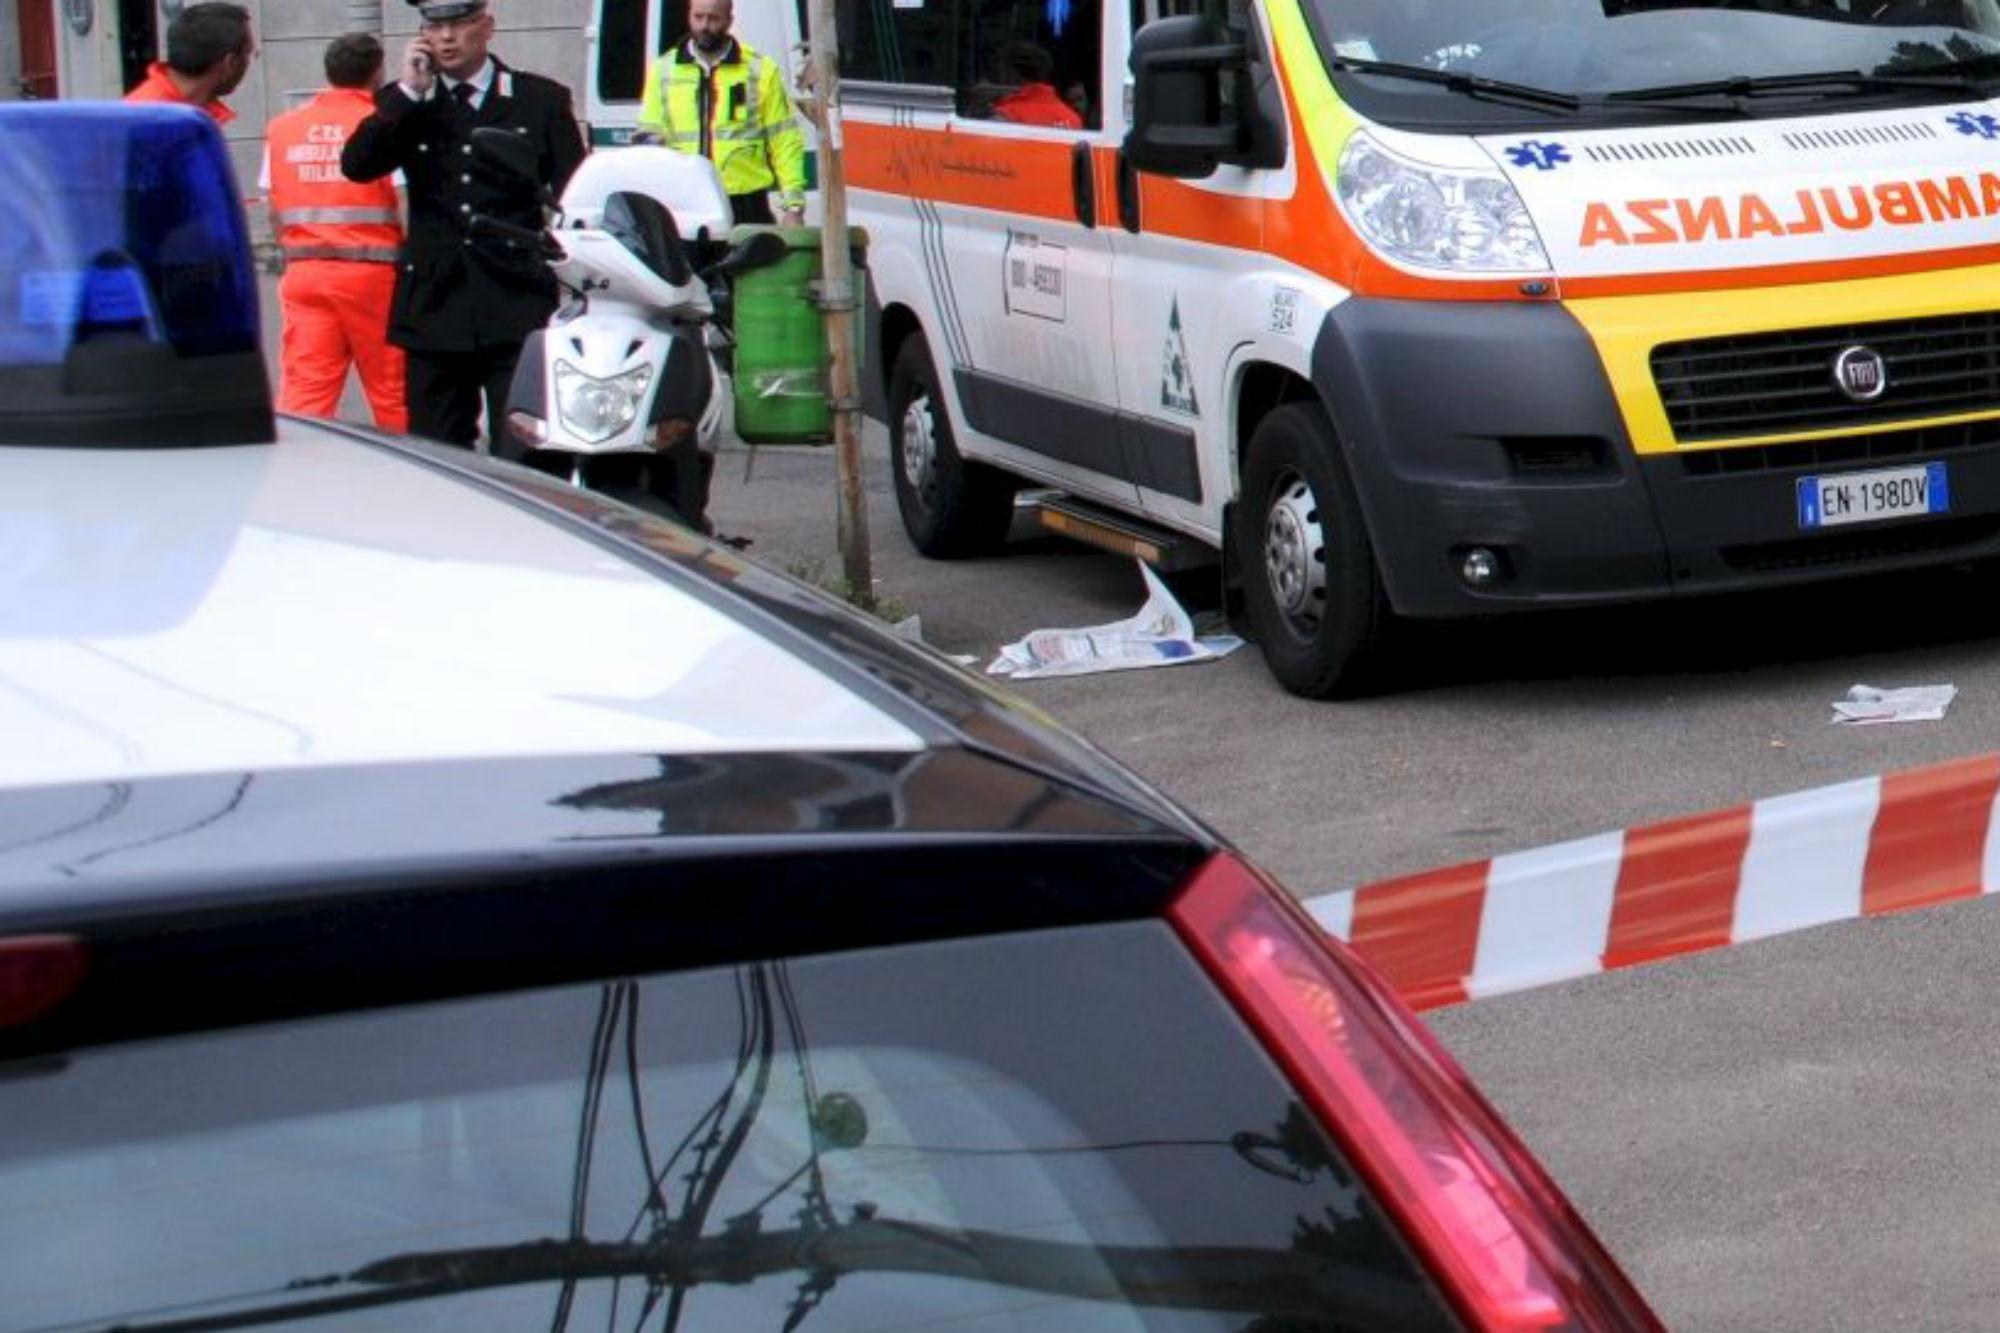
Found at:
<point>1083,184</point>
<point>1128,193</point>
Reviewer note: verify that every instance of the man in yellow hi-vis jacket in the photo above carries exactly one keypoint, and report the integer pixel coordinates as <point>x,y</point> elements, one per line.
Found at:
<point>715,96</point>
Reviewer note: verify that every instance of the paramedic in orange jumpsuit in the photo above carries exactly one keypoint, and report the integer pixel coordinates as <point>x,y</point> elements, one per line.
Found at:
<point>1034,101</point>
<point>340,240</point>
<point>209,50</point>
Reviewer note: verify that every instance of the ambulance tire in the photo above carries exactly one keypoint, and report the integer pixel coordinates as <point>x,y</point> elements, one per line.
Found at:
<point>1312,587</point>
<point>952,508</point>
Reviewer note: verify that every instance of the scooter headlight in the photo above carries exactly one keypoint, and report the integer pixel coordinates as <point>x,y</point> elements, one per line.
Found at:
<point>1437,217</point>
<point>597,409</point>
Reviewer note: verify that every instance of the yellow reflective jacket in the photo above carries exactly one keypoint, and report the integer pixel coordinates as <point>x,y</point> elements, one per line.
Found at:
<point>737,116</point>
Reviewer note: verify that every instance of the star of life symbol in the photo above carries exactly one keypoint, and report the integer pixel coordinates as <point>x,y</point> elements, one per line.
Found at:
<point>1541,156</point>
<point>1176,374</point>
<point>1965,122</point>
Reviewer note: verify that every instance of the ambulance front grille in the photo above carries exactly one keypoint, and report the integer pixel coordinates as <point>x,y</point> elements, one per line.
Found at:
<point>1874,448</point>
<point>1769,383</point>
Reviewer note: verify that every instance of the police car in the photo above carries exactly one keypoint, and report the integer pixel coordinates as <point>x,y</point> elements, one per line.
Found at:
<point>432,896</point>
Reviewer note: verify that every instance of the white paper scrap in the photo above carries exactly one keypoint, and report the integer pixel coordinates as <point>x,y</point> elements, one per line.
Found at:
<point>1865,704</point>
<point>1161,634</point>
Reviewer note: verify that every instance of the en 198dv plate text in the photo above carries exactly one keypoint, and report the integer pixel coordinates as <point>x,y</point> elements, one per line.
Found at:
<point>1865,497</point>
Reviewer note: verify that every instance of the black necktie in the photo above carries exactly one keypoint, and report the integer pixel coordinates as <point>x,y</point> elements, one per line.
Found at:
<point>465,92</point>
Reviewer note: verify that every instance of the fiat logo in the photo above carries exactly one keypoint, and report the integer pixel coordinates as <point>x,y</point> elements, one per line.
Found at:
<point>1861,374</point>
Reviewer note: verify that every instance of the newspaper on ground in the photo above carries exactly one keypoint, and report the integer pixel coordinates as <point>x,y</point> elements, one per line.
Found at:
<point>1161,634</point>
<point>1866,704</point>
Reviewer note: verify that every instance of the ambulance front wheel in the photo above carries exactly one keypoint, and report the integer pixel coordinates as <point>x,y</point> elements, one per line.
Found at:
<point>951,507</point>
<point>1310,581</point>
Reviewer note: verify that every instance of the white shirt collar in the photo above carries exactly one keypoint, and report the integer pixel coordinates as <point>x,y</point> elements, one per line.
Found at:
<point>481,80</point>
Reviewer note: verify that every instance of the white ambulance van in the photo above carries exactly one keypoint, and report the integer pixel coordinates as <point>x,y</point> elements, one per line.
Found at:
<point>1431,308</point>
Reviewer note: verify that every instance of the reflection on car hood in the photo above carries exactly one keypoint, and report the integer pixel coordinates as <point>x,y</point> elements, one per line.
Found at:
<point>321,602</point>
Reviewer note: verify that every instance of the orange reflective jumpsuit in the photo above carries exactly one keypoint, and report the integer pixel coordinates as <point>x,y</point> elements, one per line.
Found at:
<point>159,86</point>
<point>340,239</point>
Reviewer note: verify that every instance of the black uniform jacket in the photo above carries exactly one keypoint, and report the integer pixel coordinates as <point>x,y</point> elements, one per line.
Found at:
<point>458,289</point>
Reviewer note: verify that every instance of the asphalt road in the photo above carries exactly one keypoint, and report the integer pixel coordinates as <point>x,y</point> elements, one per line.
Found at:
<point>1497,737</point>
<point>1790,1134</point>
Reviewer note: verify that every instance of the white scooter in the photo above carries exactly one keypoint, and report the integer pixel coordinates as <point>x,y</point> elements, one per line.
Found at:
<point>621,392</point>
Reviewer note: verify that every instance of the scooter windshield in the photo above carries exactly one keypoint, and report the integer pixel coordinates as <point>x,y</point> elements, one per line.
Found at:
<point>645,228</point>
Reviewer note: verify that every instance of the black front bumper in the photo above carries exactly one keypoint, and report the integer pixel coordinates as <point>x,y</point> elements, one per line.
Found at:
<point>1493,426</point>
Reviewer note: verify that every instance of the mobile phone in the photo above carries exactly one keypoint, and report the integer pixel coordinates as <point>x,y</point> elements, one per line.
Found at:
<point>426,63</point>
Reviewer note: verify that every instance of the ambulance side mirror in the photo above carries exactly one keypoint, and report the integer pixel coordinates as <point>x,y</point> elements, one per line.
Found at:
<point>1193,105</point>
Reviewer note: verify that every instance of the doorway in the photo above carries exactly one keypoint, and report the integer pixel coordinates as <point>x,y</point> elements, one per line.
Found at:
<point>138,40</point>
<point>38,49</point>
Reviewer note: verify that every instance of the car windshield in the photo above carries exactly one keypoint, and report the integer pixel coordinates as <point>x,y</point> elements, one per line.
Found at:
<point>1655,52</point>
<point>906,1138</point>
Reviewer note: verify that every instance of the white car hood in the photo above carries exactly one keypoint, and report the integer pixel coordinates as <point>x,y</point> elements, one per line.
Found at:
<point>319,601</point>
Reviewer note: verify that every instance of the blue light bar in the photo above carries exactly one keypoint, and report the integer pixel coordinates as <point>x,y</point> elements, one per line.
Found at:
<point>128,298</point>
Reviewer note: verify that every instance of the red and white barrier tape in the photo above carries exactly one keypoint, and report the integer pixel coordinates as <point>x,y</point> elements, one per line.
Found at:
<point>1878,845</point>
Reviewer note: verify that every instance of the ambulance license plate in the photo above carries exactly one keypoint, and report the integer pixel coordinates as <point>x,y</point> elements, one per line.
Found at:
<point>1867,497</point>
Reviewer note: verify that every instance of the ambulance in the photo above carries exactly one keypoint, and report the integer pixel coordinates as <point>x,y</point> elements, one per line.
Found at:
<point>1423,308</point>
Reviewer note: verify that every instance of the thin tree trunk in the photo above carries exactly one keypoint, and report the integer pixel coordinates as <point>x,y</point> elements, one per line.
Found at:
<point>838,300</point>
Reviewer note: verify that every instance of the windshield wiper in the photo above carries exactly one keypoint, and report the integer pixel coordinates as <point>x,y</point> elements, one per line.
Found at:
<point>1465,85</point>
<point>1288,1284</point>
<point>1833,82</point>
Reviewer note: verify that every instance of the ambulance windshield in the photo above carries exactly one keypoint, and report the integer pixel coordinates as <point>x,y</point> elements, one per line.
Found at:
<point>1721,58</point>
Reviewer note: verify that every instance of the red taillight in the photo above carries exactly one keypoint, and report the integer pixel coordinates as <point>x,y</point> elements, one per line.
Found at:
<point>37,973</point>
<point>1487,1221</point>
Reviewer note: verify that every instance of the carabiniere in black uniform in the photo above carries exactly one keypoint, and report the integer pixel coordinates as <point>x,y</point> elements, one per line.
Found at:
<point>465,299</point>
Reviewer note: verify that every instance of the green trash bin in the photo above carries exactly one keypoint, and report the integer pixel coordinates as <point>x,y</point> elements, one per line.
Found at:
<point>782,365</point>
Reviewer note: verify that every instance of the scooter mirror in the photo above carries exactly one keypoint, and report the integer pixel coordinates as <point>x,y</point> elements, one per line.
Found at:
<point>644,226</point>
<point>758,250</point>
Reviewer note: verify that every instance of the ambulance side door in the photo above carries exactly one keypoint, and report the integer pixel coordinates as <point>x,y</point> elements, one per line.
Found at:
<point>1021,261</point>
<point>1188,256</point>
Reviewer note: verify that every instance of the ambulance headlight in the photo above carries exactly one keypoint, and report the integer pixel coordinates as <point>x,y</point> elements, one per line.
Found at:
<point>1437,217</point>
<point>597,409</point>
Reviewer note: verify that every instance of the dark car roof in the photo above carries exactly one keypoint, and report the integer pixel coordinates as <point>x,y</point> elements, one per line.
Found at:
<point>270,732</point>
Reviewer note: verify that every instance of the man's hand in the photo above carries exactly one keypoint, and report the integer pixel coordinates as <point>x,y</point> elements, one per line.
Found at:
<point>419,70</point>
<point>791,217</point>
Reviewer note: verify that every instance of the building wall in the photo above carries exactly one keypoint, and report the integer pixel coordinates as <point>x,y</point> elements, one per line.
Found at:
<point>546,36</point>
<point>10,50</point>
<point>87,66</point>
<point>542,35</point>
